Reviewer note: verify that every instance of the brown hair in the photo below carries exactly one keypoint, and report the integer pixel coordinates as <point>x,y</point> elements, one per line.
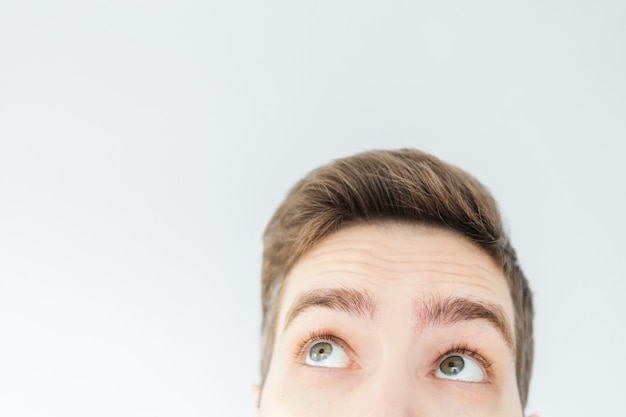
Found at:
<point>404,185</point>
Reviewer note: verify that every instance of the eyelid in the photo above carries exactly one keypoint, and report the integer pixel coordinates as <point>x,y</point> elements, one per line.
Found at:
<point>320,336</point>
<point>464,350</point>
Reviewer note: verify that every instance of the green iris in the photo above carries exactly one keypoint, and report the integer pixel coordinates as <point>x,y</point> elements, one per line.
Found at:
<point>452,365</point>
<point>320,351</point>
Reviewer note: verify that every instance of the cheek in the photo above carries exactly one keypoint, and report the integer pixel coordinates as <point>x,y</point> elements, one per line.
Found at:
<point>457,399</point>
<point>301,392</point>
<point>309,392</point>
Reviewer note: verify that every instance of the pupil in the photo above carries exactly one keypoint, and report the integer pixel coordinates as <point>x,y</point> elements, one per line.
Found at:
<point>320,351</point>
<point>452,366</point>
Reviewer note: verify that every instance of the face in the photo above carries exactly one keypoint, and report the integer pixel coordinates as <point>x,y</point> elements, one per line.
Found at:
<point>393,320</point>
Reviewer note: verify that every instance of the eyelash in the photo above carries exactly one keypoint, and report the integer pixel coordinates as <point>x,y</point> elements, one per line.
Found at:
<point>316,336</point>
<point>466,350</point>
<point>457,349</point>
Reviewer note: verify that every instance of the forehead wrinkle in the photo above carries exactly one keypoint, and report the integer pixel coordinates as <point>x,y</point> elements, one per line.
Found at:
<point>445,311</point>
<point>396,260</point>
<point>356,302</point>
<point>365,270</point>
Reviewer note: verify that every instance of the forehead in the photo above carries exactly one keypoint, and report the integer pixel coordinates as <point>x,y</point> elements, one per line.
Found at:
<point>399,264</point>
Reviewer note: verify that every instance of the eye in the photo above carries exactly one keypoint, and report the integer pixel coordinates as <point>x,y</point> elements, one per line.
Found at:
<point>460,368</point>
<point>327,355</point>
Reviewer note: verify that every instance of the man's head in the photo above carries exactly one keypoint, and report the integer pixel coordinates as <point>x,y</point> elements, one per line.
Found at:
<point>392,264</point>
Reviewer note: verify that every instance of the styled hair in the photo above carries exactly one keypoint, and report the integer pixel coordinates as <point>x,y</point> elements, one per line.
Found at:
<point>406,185</point>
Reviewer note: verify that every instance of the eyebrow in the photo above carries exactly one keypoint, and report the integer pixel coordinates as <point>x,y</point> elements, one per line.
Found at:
<point>437,311</point>
<point>347,300</point>
<point>430,312</point>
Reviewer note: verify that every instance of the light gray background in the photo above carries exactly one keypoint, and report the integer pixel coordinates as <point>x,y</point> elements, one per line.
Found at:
<point>145,144</point>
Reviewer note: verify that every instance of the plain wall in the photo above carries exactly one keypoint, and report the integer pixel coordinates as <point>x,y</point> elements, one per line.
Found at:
<point>145,144</point>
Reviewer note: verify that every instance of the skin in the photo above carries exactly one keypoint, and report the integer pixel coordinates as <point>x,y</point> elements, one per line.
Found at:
<point>387,362</point>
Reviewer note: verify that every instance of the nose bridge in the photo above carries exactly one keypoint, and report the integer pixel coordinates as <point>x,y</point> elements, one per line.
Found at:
<point>391,392</point>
